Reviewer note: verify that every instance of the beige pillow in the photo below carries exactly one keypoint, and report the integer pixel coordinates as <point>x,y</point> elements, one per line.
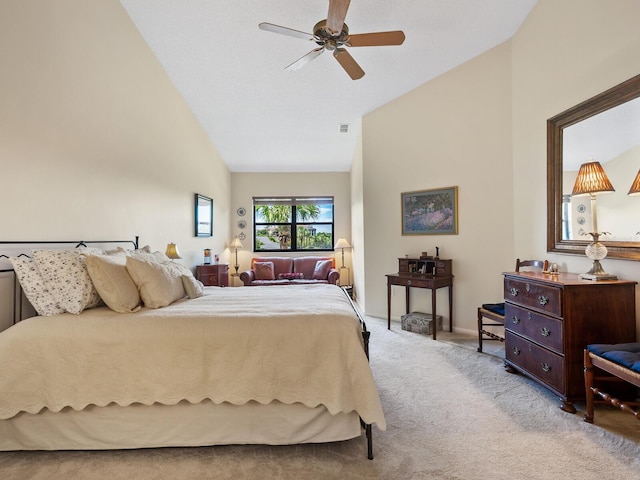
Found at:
<point>112,281</point>
<point>159,284</point>
<point>192,286</point>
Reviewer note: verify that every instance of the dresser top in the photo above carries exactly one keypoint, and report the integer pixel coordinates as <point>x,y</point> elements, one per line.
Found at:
<point>564,278</point>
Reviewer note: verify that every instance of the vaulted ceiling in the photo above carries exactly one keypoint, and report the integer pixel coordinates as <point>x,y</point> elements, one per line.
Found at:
<point>263,118</point>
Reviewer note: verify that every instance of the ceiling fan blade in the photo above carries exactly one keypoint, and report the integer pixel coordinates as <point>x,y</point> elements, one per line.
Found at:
<point>301,62</point>
<point>337,13</point>
<point>377,39</point>
<point>348,63</point>
<point>270,27</point>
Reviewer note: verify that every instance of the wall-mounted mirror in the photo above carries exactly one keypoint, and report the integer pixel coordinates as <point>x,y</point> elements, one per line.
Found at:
<point>203,216</point>
<point>605,128</point>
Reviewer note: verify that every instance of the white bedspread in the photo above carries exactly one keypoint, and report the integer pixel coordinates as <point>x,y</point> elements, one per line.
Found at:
<point>292,344</point>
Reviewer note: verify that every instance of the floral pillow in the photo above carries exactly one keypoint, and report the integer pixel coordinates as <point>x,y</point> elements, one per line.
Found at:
<point>34,288</point>
<point>290,276</point>
<point>264,271</point>
<point>65,275</point>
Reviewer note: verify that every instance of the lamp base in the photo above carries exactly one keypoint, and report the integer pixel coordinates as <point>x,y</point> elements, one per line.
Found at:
<point>597,273</point>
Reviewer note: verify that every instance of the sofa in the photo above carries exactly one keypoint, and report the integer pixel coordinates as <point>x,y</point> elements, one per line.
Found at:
<point>290,271</point>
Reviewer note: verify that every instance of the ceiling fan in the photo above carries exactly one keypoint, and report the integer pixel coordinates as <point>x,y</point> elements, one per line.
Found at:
<point>333,35</point>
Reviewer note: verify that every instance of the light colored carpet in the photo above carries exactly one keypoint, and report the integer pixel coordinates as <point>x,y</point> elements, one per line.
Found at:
<point>452,413</point>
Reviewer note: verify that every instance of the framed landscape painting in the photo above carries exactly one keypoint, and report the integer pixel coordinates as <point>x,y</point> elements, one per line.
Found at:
<point>430,212</point>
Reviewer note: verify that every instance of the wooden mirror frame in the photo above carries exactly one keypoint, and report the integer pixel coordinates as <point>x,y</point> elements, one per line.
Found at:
<point>613,97</point>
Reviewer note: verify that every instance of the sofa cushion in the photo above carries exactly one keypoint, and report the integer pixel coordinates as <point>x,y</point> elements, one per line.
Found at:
<point>307,265</point>
<point>321,271</point>
<point>264,270</point>
<point>280,264</point>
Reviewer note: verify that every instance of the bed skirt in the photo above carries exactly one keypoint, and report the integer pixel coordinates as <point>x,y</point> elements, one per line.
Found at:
<point>181,425</point>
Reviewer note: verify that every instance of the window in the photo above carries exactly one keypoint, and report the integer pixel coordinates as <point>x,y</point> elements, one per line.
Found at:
<point>294,224</point>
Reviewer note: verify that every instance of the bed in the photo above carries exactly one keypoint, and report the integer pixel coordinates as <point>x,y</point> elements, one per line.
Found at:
<point>228,366</point>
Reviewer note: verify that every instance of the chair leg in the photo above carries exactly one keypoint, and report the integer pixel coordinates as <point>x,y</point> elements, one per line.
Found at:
<point>588,384</point>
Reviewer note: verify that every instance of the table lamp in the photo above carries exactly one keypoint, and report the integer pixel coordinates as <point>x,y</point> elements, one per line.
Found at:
<point>592,180</point>
<point>172,252</point>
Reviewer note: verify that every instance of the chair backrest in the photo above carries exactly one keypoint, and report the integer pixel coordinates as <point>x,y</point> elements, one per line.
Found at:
<point>534,264</point>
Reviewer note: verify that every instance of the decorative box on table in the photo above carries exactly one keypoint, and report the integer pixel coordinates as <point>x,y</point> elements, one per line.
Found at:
<point>419,322</point>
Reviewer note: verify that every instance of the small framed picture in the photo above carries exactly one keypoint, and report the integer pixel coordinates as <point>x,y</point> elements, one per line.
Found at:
<point>430,212</point>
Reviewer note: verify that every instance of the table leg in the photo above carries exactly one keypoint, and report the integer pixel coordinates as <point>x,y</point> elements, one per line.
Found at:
<point>406,300</point>
<point>434,323</point>
<point>388,306</point>
<point>451,307</point>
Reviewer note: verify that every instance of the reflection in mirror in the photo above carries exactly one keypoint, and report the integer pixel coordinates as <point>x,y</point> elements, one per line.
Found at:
<point>613,139</point>
<point>605,128</point>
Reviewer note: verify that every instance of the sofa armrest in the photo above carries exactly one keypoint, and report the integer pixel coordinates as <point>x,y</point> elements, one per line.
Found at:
<point>247,277</point>
<point>334,276</point>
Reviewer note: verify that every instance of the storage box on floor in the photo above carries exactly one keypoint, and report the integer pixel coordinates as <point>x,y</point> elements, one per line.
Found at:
<point>419,322</point>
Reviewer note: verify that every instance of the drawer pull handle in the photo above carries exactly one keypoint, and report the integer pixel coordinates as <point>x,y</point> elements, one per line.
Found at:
<point>543,300</point>
<point>516,320</point>
<point>408,282</point>
<point>516,351</point>
<point>514,291</point>
<point>545,332</point>
<point>546,367</point>
<point>527,287</point>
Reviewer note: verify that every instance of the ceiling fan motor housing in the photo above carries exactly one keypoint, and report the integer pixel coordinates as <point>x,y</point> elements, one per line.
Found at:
<point>324,38</point>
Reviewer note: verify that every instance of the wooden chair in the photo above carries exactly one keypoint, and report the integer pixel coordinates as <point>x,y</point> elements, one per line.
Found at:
<point>494,312</point>
<point>615,364</point>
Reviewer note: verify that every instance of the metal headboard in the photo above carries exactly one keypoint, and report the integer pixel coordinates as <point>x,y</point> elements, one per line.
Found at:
<point>18,298</point>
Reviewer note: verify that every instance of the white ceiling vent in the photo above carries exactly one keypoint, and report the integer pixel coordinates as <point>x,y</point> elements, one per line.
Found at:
<point>344,128</point>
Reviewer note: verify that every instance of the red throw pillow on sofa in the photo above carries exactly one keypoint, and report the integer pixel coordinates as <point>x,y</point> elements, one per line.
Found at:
<point>264,270</point>
<point>321,272</point>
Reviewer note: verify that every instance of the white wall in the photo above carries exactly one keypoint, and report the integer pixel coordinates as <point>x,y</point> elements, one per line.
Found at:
<point>482,126</point>
<point>452,131</point>
<point>95,141</point>
<point>245,186</point>
<point>564,53</point>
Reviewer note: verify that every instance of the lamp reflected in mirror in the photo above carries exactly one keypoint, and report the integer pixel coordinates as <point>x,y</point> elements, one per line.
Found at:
<point>592,180</point>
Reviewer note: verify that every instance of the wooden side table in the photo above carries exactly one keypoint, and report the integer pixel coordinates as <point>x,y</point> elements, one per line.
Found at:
<point>213,275</point>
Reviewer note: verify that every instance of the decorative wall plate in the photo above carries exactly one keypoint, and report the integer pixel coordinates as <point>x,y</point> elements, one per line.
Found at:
<point>241,211</point>
<point>242,224</point>
<point>582,208</point>
<point>242,236</point>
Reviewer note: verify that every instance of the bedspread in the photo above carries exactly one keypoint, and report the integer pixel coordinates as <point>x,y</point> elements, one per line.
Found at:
<point>292,344</point>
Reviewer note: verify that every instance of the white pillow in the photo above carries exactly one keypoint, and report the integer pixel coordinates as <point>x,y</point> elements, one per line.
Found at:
<point>112,281</point>
<point>65,275</point>
<point>159,284</point>
<point>193,286</point>
<point>34,288</point>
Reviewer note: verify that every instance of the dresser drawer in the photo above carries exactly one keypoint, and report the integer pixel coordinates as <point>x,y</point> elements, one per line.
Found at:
<point>539,296</point>
<point>542,329</point>
<point>544,365</point>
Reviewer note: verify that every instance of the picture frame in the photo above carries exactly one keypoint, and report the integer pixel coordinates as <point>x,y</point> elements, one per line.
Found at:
<point>203,216</point>
<point>430,212</point>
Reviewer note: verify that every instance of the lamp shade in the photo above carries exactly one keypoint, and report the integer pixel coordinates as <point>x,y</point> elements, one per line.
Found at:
<point>591,179</point>
<point>342,243</point>
<point>172,251</point>
<point>635,186</point>
<point>235,243</point>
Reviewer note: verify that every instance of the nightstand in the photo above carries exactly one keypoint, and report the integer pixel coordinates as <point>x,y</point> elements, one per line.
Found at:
<point>213,275</point>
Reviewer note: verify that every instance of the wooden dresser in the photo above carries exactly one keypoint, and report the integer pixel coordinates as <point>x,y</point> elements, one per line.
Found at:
<point>213,275</point>
<point>550,319</point>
